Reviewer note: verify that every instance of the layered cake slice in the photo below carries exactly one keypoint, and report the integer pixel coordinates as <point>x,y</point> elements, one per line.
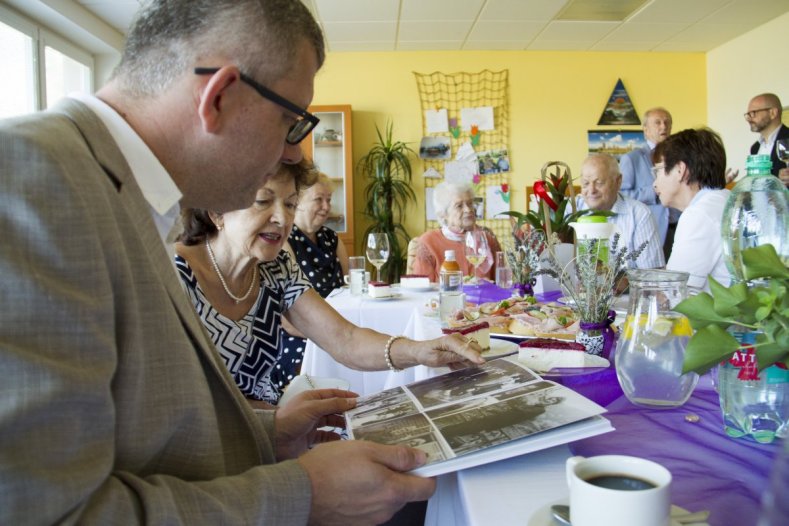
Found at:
<point>544,354</point>
<point>479,332</point>
<point>414,281</point>
<point>379,289</point>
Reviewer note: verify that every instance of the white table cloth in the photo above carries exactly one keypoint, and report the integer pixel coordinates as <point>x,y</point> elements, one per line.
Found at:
<point>394,317</point>
<point>502,493</point>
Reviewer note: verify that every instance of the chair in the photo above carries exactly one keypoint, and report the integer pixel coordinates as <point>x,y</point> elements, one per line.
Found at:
<point>413,245</point>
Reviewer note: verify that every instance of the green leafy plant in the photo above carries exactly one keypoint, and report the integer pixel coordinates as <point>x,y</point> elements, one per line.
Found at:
<point>387,168</point>
<point>763,307</point>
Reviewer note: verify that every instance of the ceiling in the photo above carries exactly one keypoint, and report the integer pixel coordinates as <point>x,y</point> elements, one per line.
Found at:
<point>565,25</point>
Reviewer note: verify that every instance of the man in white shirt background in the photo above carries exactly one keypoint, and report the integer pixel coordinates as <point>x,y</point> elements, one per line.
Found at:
<point>600,190</point>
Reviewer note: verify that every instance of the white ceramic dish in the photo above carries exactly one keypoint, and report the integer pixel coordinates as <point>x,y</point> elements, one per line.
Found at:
<point>499,348</point>
<point>395,295</point>
<point>543,516</point>
<point>429,288</point>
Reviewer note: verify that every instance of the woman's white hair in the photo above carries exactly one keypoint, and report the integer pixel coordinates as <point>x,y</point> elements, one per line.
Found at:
<point>443,195</point>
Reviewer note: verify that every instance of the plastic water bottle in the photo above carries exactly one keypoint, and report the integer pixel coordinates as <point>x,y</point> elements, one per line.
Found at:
<point>756,213</point>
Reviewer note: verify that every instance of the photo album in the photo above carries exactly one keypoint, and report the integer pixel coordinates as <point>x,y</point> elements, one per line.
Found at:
<point>476,415</point>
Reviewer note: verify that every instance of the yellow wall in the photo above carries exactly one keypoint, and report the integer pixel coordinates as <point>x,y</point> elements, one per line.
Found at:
<point>555,97</point>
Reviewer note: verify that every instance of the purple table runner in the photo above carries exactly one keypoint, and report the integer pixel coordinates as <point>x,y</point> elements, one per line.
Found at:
<point>487,291</point>
<point>710,470</point>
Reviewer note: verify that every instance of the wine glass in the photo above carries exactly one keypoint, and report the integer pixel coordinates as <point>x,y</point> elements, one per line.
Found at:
<point>476,250</point>
<point>377,251</point>
<point>782,150</point>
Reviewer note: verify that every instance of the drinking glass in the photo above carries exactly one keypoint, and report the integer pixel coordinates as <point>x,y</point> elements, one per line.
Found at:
<point>377,251</point>
<point>476,250</point>
<point>651,349</point>
<point>782,150</point>
<point>503,271</point>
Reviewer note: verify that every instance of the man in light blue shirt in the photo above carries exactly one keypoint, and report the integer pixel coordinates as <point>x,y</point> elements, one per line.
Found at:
<point>637,178</point>
<point>600,183</point>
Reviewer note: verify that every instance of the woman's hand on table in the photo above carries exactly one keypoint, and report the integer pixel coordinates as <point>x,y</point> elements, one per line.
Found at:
<point>454,351</point>
<point>297,422</point>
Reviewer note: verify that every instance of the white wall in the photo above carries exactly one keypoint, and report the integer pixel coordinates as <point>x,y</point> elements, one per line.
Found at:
<point>736,71</point>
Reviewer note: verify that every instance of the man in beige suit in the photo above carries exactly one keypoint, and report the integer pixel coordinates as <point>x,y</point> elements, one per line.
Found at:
<point>114,406</point>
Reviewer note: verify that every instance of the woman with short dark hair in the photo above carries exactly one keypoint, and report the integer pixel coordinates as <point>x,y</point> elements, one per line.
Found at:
<point>690,168</point>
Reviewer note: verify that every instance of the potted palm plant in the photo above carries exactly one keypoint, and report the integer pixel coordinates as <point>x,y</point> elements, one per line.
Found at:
<point>387,169</point>
<point>744,331</point>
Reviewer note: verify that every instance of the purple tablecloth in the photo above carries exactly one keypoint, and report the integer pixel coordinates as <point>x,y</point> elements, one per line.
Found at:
<point>710,470</point>
<point>488,291</point>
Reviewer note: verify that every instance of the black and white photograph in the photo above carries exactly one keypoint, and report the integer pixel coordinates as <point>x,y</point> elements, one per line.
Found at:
<point>470,382</point>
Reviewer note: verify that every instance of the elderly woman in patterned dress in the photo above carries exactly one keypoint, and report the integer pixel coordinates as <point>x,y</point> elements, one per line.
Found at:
<point>242,283</point>
<point>322,257</point>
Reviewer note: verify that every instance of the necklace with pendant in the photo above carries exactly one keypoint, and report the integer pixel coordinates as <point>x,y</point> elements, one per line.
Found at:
<point>237,299</point>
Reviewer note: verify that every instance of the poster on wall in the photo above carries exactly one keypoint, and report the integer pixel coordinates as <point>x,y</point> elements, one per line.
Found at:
<point>619,110</point>
<point>615,142</point>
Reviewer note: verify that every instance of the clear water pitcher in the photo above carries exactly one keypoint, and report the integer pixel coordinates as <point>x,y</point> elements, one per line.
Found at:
<point>651,349</point>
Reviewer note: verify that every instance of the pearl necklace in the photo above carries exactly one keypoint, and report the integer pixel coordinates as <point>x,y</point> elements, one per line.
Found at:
<point>222,278</point>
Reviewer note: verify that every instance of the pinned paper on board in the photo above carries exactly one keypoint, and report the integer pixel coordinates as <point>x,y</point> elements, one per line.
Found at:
<point>459,172</point>
<point>430,209</point>
<point>497,199</point>
<point>435,148</point>
<point>481,117</point>
<point>436,121</point>
<point>431,173</point>
<point>494,161</point>
<point>465,166</point>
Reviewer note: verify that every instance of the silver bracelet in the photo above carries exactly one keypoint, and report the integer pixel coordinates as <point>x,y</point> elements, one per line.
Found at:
<point>388,356</point>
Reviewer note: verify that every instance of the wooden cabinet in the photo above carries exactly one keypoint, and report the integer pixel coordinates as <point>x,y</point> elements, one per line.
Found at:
<point>329,147</point>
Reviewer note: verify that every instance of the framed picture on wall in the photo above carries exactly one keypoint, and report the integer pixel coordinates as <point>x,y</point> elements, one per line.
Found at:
<point>615,142</point>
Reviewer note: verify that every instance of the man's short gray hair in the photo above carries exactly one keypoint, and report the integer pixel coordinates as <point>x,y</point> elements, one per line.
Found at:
<point>656,109</point>
<point>443,195</point>
<point>169,37</point>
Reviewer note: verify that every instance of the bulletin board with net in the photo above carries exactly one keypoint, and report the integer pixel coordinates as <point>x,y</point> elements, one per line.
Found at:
<point>458,93</point>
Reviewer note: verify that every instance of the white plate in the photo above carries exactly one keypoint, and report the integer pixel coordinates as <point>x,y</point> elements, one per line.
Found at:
<point>394,296</point>
<point>499,348</point>
<point>543,516</point>
<point>429,288</point>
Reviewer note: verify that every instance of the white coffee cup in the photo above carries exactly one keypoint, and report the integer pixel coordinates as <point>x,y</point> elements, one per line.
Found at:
<point>356,281</point>
<point>618,490</point>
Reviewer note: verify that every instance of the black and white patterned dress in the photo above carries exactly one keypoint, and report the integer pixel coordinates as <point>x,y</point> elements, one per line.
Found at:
<point>250,347</point>
<point>320,264</point>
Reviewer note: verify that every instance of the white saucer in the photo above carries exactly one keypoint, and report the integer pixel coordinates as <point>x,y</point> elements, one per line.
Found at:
<point>543,516</point>
<point>393,296</point>
<point>429,288</point>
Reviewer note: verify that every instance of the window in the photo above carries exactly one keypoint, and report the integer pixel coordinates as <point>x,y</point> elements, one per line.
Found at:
<point>38,67</point>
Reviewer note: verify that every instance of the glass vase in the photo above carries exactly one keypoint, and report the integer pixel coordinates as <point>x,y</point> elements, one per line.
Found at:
<point>755,404</point>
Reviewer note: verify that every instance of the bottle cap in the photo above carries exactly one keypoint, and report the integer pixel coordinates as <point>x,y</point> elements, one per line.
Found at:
<point>449,255</point>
